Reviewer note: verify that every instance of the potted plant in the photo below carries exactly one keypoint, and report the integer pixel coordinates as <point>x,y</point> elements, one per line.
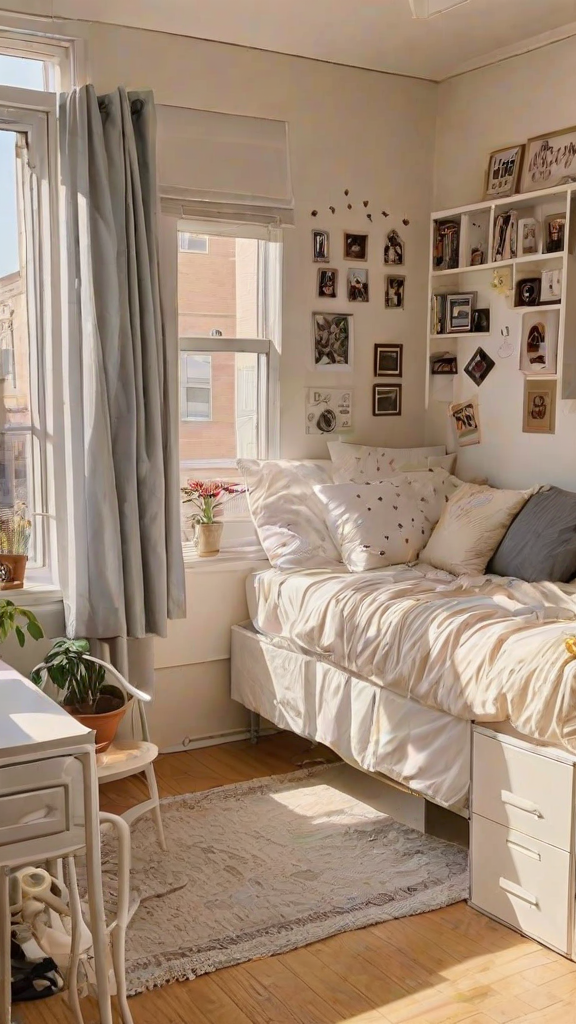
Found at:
<point>10,613</point>
<point>206,497</point>
<point>15,530</point>
<point>86,695</point>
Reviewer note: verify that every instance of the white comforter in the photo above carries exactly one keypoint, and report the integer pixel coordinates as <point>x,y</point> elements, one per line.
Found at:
<point>485,648</point>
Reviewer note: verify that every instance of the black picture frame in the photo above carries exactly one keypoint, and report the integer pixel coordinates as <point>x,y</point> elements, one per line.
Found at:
<point>481,321</point>
<point>528,291</point>
<point>479,366</point>
<point>388,359</point>
<point>387,400</point>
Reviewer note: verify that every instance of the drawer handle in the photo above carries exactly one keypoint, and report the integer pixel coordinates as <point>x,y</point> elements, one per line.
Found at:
<point>521,803</point>
<point>523,849</point>
<point>35,816</point>
<point>517,890</point>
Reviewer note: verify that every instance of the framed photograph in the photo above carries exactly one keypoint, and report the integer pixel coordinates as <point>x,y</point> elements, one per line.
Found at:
<point>479,366</point>
<point>321,247</point>
<point>528,236</point>
<point>394,249</point>
<point>551,288</point>
<point>357,285</point>
<point>549,160</point>
<point>539,406</point>
<point>466,422</point>
<point>394,297</point>
<point>443,363</point>
<point>355,247</point>
<point>459,312</point>
<point>503,174</point>
<point>539,342</point>
<point>481,321</point>
<point>332,341</point>
<point>327,283</point>
<point>387,400</point>
<point>528,291</point>
<point>554,233</point>
<point>328,410</point>
<point>388,360</point>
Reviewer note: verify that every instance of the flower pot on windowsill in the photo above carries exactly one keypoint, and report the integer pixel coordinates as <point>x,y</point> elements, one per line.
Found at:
<point>208,537</point>
<point>12,571</point>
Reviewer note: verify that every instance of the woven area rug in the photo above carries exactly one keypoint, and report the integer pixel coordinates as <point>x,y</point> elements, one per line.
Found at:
<point>262,867</point>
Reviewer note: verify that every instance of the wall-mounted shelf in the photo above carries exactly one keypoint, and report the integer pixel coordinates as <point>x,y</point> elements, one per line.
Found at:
<point>537,309</point>
<point>461,334</point>
<point>537,257</point>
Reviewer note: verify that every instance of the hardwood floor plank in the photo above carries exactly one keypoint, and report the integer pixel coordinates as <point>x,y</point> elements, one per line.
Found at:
<point>302,1000</point>
<point>339,992</point>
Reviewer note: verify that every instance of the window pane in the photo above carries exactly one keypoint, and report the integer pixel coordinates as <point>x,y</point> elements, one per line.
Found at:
<point>211,448</point>
<point>218,289</point>
<point>22,72</point>
<point>192,243</point>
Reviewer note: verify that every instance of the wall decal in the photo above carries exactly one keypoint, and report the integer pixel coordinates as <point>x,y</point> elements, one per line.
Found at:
<point>365,203</point>
<point>384,214</point>
<point>314,213</point>
<point>405,221</point>
<point>332,209</point>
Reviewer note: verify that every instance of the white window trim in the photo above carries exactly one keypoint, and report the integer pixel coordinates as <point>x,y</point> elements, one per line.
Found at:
<point>207,387</point>
<point>62,42</point>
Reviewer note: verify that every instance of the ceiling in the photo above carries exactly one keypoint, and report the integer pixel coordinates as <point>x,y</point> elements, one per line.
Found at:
<point>377,34</point>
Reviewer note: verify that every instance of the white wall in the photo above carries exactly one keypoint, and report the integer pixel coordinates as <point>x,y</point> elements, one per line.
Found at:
<point>479,112</point>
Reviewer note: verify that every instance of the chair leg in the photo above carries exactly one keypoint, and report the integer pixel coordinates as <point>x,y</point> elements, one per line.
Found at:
<point>76,919</point>
<point>153,789</point>
<point>122,912</point>
<point>254,727</point>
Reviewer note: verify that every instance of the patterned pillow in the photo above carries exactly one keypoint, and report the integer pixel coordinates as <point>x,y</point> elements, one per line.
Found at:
<point>288,515</point>
<point>361,464</point>
<point>385,523</point>
<point>471,528</point>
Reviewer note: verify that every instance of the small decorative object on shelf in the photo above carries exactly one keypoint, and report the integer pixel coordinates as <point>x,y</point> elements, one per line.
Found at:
<point>505,243</point>
<point>503,172</point>
<point>438,325</point>
<point>477,256</point>
<point>394,249</point>
<point>446,245</point>
<point>528,292</point>
<point>481,321</point>
<point>528,236</point>
<point>320,246</point>
<point>358,285</point>
<point>388,360</point>
<point>355,247</point>
<point>539,406</point>
<point>394,297</point>
<point>206,497</point>
<point>551,290</point>
<point>466,421</point>
<point>443,364</point>
<point>327,284</point>
<point>550,160</point>
<point>479,366</point>
<point>15,530</point>
<point>459,312</point>
<point>539,344</point>
<point>502,281</point>
<point>554,232</point>
<point>387,400</point>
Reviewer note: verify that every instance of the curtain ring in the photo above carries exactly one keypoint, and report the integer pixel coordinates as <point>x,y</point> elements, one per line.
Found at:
<point>102,104</point>
<point>137,106</point>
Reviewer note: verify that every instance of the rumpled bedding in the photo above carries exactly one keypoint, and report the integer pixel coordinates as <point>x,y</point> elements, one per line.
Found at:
<point>487,648</point>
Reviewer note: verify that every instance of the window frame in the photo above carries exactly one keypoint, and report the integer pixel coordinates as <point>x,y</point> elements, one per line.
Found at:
<point>207,387</point>
<point>194,234</point>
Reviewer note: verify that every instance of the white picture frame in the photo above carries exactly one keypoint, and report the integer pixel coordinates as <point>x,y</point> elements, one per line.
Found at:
<point>550,160</point>
<point>539,343</point>
<point>332,342</point>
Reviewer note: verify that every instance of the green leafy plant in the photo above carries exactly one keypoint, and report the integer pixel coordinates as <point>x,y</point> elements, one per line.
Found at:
<point>81,680</point>
<point>10,613</point>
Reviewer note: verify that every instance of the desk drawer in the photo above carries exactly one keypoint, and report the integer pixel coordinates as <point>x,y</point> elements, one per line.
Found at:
<point>39,800</point>
<point>521,881</point>
<point>523,790</point>
<point>32,815</point>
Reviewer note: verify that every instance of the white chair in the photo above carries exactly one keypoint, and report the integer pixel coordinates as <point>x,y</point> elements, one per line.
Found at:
<point>132,756</point>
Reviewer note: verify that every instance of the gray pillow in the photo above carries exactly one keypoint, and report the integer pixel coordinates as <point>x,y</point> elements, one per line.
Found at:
<point>541,541</point>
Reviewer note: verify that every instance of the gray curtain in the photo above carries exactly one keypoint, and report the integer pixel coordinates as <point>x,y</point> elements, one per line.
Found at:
<point>120,547</point>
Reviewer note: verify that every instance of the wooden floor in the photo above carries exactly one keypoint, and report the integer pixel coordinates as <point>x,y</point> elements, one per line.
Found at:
<point>448,966</point>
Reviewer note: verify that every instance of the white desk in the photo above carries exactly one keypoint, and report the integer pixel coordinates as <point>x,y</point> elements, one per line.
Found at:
<point>48,808</point>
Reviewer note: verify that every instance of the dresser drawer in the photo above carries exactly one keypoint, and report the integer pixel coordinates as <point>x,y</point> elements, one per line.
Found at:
<point>523,790</point>
<point>32,815</point>
<point>41,801</point>
<point>521,881</point>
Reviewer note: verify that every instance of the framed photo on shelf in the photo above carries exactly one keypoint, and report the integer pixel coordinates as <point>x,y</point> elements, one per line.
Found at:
<point>554,233</point>
<point>443,364</point>
<point>355,246</point>
<point>503,174</point>
<point>320,247</point>
<point>479,366</point>
<point>539,406</point>
<point>528,291</point>
<point>528,236</point>
<point>550,160</point>
<point>551,287</point>
<point>327,283</point>
<point>539,342</point>
<point>481,321</point>
<point>387,400</point>
<point>333,341</point>
<point>388,360</point>
<point>459,312</point>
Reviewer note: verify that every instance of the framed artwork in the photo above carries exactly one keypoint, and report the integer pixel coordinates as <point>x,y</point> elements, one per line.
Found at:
<point>539,406</point>
<point>444,364</point>
<point>466,421</point>
<point>503,174</point>
<point>332,341</point>
<point>327,283</point>
<point>328,410</point>
<point>357,285</point>
<point>528,236</point>
<point>481,321</point>
<point>554,232</point>
<point>479,366</point>
<point>550,160</point>
<point>551,287</point>
<point>394,249</point>
<point>459,312</point>
<point>355,247</point>
<point>539,342</point>
<point>320,247</point>
<point>394,297</point>
<point>528,291</point>
<point>388,360</point>
<point>387,400</point>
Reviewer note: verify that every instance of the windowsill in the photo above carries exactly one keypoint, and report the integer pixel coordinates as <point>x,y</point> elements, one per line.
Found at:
<point>231,557</point>
<point>33,594</point>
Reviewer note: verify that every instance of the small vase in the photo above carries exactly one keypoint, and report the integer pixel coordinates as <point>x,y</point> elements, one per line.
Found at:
<point>208,537</point>
<point>12,571</point>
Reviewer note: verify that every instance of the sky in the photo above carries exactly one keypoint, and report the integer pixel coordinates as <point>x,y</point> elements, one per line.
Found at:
<point>25,74</point>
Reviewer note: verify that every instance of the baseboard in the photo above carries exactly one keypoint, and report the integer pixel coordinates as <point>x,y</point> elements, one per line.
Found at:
<point>213,741</point>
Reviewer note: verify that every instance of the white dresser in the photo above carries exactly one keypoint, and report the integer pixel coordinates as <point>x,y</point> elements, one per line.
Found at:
<point>48,808</point>
<point>522,844</point>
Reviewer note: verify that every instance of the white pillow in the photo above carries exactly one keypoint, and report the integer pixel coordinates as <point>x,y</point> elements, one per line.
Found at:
<point>361,464</point>
<point>471,527</point>
<point>446,462</point>
<point>386,523</point>
<point>288,515</point>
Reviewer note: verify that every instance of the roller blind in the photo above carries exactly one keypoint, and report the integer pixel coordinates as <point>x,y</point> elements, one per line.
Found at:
<point>225,166</point>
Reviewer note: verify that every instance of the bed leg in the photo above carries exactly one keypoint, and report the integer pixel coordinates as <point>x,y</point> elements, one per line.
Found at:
<point>254,727</point>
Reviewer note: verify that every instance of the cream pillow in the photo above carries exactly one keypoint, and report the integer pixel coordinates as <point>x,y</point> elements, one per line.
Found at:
<point>385,523</point>
<point>362,464</point>
<point>471,527</point>
<point>446,462</point>
<point>288,515</point>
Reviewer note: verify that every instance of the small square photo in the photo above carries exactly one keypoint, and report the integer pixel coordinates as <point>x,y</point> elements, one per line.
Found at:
<point>327,283</point>
<point>357,285</point>
<point>394,297</point>
<point>388,360</point>
<point>355,247</point>
<point>387,400</point>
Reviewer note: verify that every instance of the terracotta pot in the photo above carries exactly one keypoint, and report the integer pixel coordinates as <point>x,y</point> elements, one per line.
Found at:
<point>208,537</point>
<point>105,726</point>
<point>12,571</point>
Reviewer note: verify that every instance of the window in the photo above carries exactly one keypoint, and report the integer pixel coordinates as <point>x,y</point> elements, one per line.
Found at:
<point>187,242</point>
<point>196,383</point>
